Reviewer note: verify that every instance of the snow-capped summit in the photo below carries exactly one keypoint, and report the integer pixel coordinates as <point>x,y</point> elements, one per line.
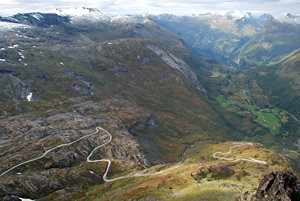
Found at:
<point>288,18</point>
<point>76,11</point>
<point>81,15</point>
<point>238,14</point>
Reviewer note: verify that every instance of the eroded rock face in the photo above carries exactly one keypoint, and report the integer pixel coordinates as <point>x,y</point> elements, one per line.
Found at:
<point>281,186</point>
<point>48,181</point>
<point>178,64</point>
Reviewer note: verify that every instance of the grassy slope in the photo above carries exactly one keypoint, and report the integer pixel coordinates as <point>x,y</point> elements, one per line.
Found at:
<point>185,182</point>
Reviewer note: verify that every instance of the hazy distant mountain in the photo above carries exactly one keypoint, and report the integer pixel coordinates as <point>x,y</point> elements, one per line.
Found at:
<point>279,37</point>
<point>216,35</point>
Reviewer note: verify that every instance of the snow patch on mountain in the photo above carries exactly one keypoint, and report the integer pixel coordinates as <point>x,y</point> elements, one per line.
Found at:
<point>21,55</point>
<point>8,26</point>
<point>26,199</point>
<point>120,18</point>
<point>29,97</point>
<point>13,46</point>
<point>238,14</point>
<point>81,15</point>
<point>37,16</point>
<point>288,18</point>
<point>76,11</point>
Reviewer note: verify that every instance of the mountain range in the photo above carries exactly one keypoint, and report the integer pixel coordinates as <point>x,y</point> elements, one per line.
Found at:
<point>175,93</point>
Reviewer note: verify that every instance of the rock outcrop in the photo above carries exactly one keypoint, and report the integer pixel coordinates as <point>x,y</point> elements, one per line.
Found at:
<point>281,186</point>
<point>178,64</point>
<point>216,171</point>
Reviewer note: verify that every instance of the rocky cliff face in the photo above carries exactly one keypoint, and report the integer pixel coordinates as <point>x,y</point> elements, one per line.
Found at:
<point>178,64</point>
<point>275,186</point>
<point>215,171</point>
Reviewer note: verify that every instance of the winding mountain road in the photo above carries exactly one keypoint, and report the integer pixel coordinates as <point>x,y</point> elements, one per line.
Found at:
<point>244,92</point>
<point>284,159</point>
<point>88,158</point>
<point>238,159</point>
<point>131,175</point>
<point>48,151</point>
<point>107,160</point>
<point>289,114</point>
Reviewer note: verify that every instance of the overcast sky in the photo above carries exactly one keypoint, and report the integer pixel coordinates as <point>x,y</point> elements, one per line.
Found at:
<point>178,7</point>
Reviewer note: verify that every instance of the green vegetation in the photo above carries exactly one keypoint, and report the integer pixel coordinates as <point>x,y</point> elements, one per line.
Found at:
<point>216,73</point>
<point>271,119</point>
<point>223,181</point>
<point>248,107</point>
<point>223,102</point>
<point>260,118</point>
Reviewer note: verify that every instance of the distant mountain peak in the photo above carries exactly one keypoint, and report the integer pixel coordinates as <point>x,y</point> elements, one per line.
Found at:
<point>238,14</point>
<point>81,15</point>
<point>288,18</point>
<point>77,11</point>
